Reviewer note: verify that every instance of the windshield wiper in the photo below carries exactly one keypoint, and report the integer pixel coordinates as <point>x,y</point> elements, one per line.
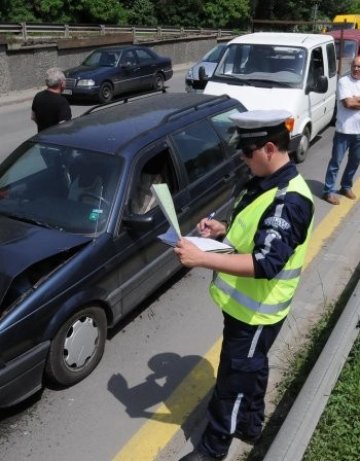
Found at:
<point>234,78</point>
<point>268,83</point>
<point>27,219</point>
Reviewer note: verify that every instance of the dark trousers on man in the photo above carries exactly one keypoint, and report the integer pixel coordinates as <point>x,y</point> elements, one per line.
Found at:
<point>237,404</point>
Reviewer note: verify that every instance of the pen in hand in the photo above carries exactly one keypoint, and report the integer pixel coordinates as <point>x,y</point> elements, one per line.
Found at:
<point>210,217</point>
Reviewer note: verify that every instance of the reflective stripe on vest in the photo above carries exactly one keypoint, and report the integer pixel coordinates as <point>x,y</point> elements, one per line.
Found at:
<point>248,302</point>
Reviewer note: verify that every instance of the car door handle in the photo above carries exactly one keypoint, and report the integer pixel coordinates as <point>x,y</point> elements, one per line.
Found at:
<point>229,177</point>
<point>184,209</point>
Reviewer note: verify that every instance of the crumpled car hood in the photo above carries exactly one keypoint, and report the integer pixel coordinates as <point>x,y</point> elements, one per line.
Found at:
<point>23,244</point>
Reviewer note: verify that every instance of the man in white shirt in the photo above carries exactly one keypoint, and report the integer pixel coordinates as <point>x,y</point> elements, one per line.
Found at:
<point>347,136</point>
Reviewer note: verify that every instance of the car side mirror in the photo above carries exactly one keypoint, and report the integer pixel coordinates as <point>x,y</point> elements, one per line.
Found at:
<point>320,86</point>
<point>138,221</point>
<point>202,74</point>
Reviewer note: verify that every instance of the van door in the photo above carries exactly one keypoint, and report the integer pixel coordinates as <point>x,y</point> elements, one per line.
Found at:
<point>330,96</point>
<point>317,101</point>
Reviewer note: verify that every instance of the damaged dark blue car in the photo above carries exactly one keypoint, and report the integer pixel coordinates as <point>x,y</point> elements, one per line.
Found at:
<point>79,225</point>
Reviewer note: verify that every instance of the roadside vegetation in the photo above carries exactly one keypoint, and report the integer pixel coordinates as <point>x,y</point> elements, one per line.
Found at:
<point>234,14</point>
<point>337,436</point>
<point>345,403</point>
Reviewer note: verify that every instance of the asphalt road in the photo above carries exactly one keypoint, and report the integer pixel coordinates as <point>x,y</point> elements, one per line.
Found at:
<point>142,402</point>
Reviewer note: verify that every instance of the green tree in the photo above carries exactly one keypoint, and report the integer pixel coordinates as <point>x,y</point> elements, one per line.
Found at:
<point>186,13</point>
<point>106,11</point>
<point>90,11</point>
<point>16,11</point>
<point>226,13</point>
<point>354,7</point>
<point>142,13</point>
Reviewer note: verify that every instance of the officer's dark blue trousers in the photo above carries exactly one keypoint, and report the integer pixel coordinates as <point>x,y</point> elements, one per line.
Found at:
<point>237,403</point>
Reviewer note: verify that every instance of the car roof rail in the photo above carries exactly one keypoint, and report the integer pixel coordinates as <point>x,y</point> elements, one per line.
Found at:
<point>124,100</point>
<point>201,105</point>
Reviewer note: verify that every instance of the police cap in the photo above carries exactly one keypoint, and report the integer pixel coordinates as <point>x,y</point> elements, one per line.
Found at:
<point>256,126</point>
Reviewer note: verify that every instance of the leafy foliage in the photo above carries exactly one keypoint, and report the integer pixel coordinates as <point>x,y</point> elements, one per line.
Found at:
<point>226,13</point>
<point>186,13</point>
<point>142,13</point>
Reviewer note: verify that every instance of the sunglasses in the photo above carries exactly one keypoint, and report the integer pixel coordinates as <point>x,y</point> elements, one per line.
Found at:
<point>248,151</point>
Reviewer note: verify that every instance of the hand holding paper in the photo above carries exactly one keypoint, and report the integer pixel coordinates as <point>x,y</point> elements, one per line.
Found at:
<point>173,234</point>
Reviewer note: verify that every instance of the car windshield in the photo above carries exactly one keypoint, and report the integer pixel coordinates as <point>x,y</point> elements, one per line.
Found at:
<point>102,59</point>
<point>214,54</point>
<point>59,187</point>
<point>263,65</point>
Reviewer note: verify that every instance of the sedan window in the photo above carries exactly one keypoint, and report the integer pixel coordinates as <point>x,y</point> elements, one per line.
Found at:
<point>129,58</point>
<point>144,56</point>
<point>59,187</point>
<point>200,148</point>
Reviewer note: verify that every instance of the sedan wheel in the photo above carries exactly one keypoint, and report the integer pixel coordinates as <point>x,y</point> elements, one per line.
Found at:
<point>106,92</point>
<point>77,347</point>
<point>159,82</point>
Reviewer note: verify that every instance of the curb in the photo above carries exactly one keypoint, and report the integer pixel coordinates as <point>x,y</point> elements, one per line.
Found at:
<point>297,429</point>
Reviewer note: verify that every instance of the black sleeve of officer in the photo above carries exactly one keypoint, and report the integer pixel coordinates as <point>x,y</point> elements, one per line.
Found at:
<point>283,226</point>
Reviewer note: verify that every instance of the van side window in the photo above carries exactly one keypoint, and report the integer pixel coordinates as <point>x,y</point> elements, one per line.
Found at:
<point>316,69</point>
<point>200,148</point>
<point>330,51</point>
<point>158,169</point>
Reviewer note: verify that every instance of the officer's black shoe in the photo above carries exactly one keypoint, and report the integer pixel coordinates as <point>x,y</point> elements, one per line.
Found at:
<point>198,456</point>
<point>251,439</point>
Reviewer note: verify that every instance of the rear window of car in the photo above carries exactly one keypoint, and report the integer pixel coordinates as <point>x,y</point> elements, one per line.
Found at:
<point>200,148</point>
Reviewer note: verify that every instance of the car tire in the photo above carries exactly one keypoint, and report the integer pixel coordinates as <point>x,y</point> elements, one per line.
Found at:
<point>303,147</point>
<point>159,81</point>
<point>77,347</point>
<point>106,92</point>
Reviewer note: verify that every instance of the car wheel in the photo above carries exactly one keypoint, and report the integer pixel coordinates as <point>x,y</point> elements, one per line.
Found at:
<point>158,82</point>
<point>303,147</point>
<point>106,92</point>
<point>77,347</point>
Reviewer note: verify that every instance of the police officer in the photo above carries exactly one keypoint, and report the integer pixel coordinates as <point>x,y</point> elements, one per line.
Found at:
<point>254,286</point>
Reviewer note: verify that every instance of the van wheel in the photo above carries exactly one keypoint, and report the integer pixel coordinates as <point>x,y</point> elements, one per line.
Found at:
<point>303,147</point>
<point>106,92</point>
<point>77,347</point>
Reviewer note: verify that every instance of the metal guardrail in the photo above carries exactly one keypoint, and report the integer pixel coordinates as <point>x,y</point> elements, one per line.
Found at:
<point>25,31</point>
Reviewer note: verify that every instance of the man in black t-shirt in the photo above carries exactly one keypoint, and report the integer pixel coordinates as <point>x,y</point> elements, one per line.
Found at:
<point>49,107</point>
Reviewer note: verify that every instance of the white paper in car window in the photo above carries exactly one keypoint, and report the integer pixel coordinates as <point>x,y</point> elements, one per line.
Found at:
<point>165,201</point>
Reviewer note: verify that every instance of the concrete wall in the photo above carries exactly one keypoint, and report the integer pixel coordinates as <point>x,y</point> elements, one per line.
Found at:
<point>25,67</point>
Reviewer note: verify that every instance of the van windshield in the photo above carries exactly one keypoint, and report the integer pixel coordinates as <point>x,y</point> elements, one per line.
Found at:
<point>263,65</point>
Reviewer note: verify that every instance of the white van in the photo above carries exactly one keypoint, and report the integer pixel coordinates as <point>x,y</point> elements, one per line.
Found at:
<point>271,70</point>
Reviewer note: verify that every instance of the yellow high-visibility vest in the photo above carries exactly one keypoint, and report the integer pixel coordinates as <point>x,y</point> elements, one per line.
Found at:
<point>260,301</point>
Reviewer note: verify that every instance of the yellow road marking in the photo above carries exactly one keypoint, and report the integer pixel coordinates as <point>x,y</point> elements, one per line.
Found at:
<point>156,433</point>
